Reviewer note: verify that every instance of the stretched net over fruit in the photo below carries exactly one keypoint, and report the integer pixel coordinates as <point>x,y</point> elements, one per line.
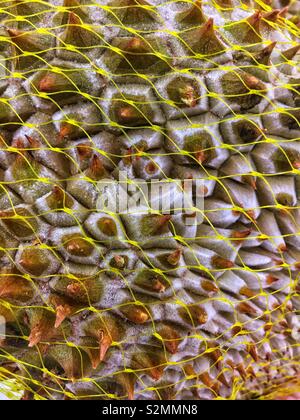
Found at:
<point>101,305</point>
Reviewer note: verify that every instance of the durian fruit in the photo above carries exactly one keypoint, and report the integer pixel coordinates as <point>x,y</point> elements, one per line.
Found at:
<point>104,293</point>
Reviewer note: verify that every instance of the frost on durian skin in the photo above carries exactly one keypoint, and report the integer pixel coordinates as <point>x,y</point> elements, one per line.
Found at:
<point>103,305</point>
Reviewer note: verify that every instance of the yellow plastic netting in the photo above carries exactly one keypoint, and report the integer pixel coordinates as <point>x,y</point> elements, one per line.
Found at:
<point>111,60</point>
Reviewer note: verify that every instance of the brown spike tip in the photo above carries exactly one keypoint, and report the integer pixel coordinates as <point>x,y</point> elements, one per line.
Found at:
<point>241,234</point>
<point>105,341</point>
<point>209,286</point>
<point>47,83</point>
<point>107,226</point>
<point>221,263</point>
<point>151,168</point>
<point>96,170</point>
<point>290,53</point>
<point>272,16</point>
<point>170,338</point>
<point>35,336</point>
<point>252,350</point>
<point>174,257</point>
<point>74,19</point>
<point>78,246</point>
<point>245,291</point>
<point>135,314</point>
<point>65,131</point>
<point>247,309</point>
<point>84,151</point>
<point>62,312</point>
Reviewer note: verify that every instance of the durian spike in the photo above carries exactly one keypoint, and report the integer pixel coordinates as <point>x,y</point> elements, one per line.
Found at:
<point>78,245</point>
<point>105,341</point>
<point>75,289</point>
<point>73,362</point>
<point>226,4</point>
<point>69,4</point>
<point>189,370</point>
<point>245,291</point>
<point>84,151</point>
<point>250,372</point>
<point>132,12</point>
<point>216,354</point>
<point>198,315</point>
<point>189,96</point>
<point>74,19</point>
<point>27,395</point>
<point>203,40</point>
<point>34,260</point>
<point>174,257</point>
<point>62,312</point>
<point>19,144</point>
<point>250,215</point>
<point>254,20</point>
<point>107,226</point>
<point>248,30</point>
<point>30,41</point>
<point>246,308</point>
<point>74,7</point>
<point>250,180</point>
<point>149,364</point>
<point>65,131</point>
<point>263,56</point>
<point>209,286</point>
<point>136,314</point>
<point>207,28</point>
<point>291,52</point>
<point>96,170</point>
<point>79,35</point>
<point>283,12</point>
<point>14,32</point>
<point>241,234</point>
<point>155,373</point>
<point>241,370</point>
<point>103,330</point>
<point>193,16</point>
<point>48,83</point>
<point>36,334</point>
<point>271,16</point>
<point>170,338</point>
<point>154,224</point>
<point>221,263</point>
<point>209,382</point>
<point>58,196</point>
<point>119,261</point>
<point>136,45</point>
<point>13,286</point>
<point>162,221</point>
<point>201,156</point>
<point>41,322</point>
<point>150,168</point>
<point>128,114</point>
<point>128,157</point>
<point>252,350</point>
<point>127,380</point>
<point>157,285</point>
<point>271,279</point>
<point>34,143</point>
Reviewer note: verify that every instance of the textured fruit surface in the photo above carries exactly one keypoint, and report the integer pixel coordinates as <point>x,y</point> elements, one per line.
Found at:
<point>200,302</point>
